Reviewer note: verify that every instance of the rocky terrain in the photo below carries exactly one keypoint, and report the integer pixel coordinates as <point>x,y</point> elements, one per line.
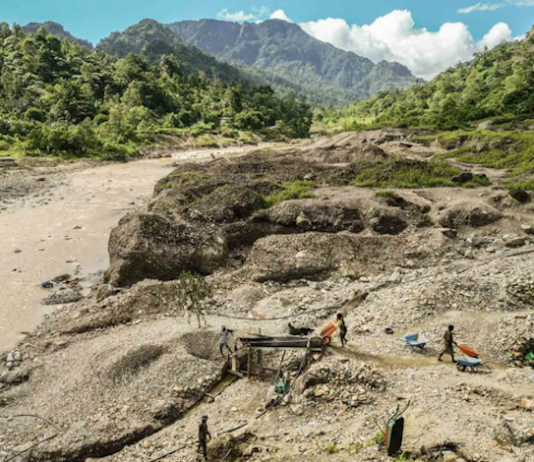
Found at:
<point>283,235</point>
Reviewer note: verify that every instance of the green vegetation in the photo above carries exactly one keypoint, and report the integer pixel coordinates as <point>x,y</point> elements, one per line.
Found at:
<point>58,98</point>
<point>294,190</point>
<point>182,178</point>
<point>379,439</point>
<point>526,185</point>
<point>495,84</point>
<point>55,29</point>
<point>193,290</point>
<point>207,141</point>
<point>409,174</point>
<point>154,40</point>
<point>404,457</point>
<point>331,449</point>
<point>387,194</point>
<point>509,150</point>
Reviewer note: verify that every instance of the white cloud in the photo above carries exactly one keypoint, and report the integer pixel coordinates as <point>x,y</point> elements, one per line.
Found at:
<point>521,2</point>
<point>394,37</point>
<point>280,14</point>
<point>481,7</point>
<point>240,16</point>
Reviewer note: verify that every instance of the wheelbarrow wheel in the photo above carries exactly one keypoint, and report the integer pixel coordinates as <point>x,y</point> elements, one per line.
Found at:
<point>461,367</point>
<point>326,340</point>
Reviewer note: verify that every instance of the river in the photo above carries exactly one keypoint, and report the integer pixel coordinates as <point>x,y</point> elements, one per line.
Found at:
<point>40,241</point>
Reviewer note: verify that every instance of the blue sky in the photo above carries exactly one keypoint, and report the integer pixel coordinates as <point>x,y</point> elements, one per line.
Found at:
<point>94,19</point>
<point>425,35</point>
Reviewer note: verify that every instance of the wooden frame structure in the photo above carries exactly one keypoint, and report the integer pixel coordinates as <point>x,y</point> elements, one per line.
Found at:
<point>260,343</point>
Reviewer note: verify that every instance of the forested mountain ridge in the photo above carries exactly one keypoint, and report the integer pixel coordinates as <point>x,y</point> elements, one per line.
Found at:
<point>60,98</point>
<point>152,40</point>
<point>495,83</point>
<point>55,29</point>
<point>278,48</point>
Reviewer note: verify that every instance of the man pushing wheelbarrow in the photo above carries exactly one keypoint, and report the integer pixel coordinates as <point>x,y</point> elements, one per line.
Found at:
<point>448,343</point>
<point>330,329</point>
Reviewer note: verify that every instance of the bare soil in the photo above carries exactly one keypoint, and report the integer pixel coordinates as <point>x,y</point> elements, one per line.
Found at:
<point>122,372</point>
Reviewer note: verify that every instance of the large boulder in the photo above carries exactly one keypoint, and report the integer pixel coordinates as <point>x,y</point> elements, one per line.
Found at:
<point>147,245</point>
<point>329,216</point>
<point>389,223</point>
<point>229,203</point>
<point>283,258</point>
<point>474,213</point>
<point>520,195</point>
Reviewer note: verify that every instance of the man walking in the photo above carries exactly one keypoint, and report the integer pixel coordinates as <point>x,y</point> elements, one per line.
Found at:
<point>203,437</point>
<point>448,341</point>
<point>342,329</point>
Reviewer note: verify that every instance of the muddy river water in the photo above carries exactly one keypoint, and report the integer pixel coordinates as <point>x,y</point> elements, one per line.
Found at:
<point>67,232</point>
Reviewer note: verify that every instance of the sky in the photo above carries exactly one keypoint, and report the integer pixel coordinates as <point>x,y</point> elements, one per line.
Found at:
<point>428,36</point>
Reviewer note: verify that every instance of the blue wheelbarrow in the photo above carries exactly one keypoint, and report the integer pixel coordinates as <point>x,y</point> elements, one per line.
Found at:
<point>468,364</point>
<point>415,340</point>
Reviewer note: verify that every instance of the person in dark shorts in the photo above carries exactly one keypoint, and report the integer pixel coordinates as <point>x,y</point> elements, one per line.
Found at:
<point>203,437</point>
<point>448,343</point>
<point>342,329</point>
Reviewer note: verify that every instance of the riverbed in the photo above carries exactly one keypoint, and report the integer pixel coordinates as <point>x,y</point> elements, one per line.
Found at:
<point>65,231</point>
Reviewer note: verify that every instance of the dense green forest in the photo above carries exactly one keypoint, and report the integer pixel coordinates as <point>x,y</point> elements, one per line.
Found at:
<point>153,40</point>
<point>55,29</point>
<point>496,83</point>
<point>60,98</point>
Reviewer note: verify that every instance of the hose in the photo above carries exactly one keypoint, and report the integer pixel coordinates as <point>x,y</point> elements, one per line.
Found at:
<point>280,398</point>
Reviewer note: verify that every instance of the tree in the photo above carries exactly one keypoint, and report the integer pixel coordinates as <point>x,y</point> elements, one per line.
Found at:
<point>194,290</point>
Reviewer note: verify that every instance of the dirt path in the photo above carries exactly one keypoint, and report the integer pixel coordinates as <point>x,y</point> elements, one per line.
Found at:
<point>495,175</point>
<point>65,232</point>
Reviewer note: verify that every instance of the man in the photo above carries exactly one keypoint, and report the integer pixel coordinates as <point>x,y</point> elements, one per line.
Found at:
<point>224,340</point>
<point>203,435</point>
<point>448,341</point>
<point>342,329</point>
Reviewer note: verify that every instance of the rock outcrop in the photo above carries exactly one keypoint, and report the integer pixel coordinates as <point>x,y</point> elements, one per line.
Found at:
<point>147,245</point>
<point>316,255</point>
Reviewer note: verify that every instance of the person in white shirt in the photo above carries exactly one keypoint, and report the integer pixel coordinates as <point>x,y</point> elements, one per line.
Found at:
<point>224,339</point>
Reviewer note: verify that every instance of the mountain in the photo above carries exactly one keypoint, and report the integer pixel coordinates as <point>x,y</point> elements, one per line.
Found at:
<point>153,40</point>
<point>56,29</point>
<point>277,49</point>
<point>495,83</point>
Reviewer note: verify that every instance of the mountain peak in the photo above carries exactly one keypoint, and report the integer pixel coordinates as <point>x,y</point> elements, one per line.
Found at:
<point>153,39</point>
<point>56,29</point>
<point>281,50</point>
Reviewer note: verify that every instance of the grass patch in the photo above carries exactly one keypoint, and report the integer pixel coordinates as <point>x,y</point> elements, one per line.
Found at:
<point>331,449</point>
<point>226,142</point>
<point>293,190</point>
<point>526,185</point>
<point>404,458</point>
<point>510,150</point>
<point>207,141</point>
<point>387,193</point>
<point>406,174</point>
<point>246,138</point>
<point>182,178</point>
